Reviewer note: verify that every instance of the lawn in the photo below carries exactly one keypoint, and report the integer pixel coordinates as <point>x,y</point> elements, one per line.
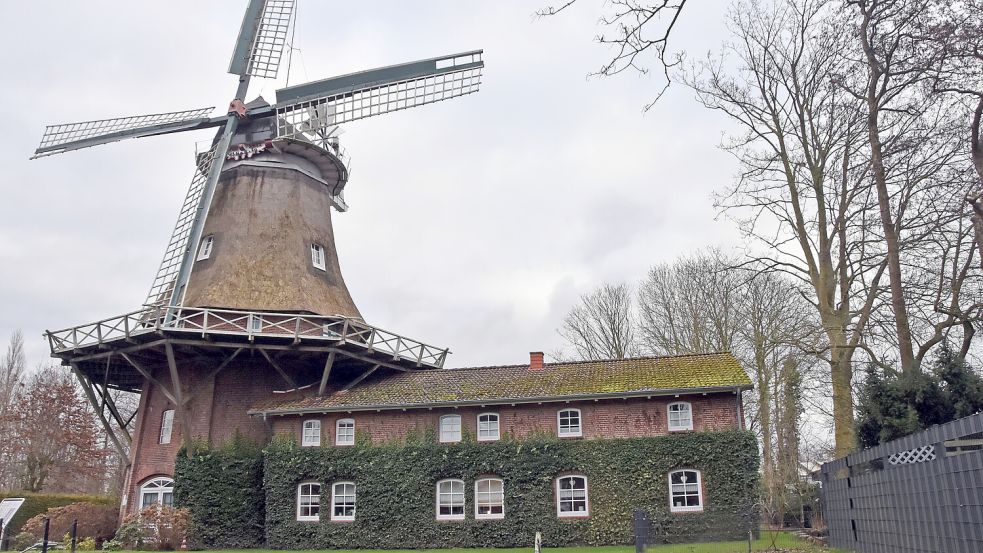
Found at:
<point>784,542</point>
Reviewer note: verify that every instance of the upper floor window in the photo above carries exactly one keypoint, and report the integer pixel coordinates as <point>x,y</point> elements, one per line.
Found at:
<point>568,423</point>
<point>680,416</point>
<point>488,429</point>
<point>317,256</point>
<point>166,426</point>
<point>255,323</point>
<point>450,428</point>
<point>344,433</point>
<point>158,491</point>
<point>571,496</point>
<point>489,498</point>
<point>309,501</point>
<point>312,433</point>
<point>205,249</point>
<point>450,500</point>
<point>343,501</point>
<point>685,492</point>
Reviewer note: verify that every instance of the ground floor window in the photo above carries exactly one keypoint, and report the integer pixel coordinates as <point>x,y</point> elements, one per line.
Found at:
<point>571,496</point>
<point>309,501</point>
<point>489,498</point>
<point>343,501</point>
<point>450,500</point>
<point>685,493</point>
<point>159,491</point>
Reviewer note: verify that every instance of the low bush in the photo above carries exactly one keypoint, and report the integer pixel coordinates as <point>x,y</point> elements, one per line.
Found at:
<point>94,520</point>
<point>155,528</point>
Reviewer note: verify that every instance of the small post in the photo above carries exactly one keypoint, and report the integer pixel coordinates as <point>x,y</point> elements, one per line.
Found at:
<point>44,538</point>
<point>75,529</point>
<point>2,532</point>
<point>641,531</point>
<point>538,544</point>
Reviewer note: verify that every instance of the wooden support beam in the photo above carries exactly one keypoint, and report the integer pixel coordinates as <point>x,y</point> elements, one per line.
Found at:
<point>109,402</point>
<point>179,404</point>
<point>214,373</point>
<point>87,389</point>
<point>360,378</point>
<point>290,381</point>
<point>327,372</point>
<point>146,374</point>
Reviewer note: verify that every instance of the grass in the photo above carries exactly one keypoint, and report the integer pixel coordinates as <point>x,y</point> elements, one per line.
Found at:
<point>783,541</point>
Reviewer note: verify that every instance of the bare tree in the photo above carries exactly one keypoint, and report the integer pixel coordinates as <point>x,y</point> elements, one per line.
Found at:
<point>12,367</point>
<point>602,325</point>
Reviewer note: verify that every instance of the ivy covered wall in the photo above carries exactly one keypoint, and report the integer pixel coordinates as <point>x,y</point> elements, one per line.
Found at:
<point>396,490</point>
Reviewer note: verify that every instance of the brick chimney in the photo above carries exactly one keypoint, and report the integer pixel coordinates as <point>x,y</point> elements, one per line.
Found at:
<point>535,360</point>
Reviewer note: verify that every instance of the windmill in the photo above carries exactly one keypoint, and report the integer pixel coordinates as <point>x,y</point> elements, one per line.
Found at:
<point>309,112</point>
<point>248,300</point>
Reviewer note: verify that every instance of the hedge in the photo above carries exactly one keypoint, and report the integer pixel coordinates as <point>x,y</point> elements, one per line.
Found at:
<point>396,488</point>
<point>38,503</point>
<point>224,490</point>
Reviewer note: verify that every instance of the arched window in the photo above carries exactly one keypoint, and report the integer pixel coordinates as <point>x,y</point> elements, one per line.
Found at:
<point>489,498</point>
<point>157,491</point>
<point>309,501</point>
<point>450,428</point>
<point>568,423</point>
<point>571,496</point>
<point>344,432</point>
<point>450,500</point>
<point>488,429</point>
<point>166,426</point>
<point>311,434</point>
<point>680,416</point>
<point>343,501</point>
<point>685,491</point>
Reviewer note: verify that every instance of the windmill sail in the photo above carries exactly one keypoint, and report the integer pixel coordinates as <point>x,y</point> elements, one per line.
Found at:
<point>261,38</point>
<point>163,286</point>
<point>72,136</point>
<point>310,108</point>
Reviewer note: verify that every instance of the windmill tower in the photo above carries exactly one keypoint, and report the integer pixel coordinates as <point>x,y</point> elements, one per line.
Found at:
<point>249,298</point>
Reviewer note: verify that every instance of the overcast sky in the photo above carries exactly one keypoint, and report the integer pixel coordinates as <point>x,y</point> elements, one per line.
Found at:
<point>474,224</point>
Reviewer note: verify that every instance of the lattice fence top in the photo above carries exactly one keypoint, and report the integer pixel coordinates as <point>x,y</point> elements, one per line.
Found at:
<point>921,454</point>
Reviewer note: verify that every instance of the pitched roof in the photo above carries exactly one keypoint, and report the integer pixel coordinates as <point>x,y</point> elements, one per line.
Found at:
<point>518,384</point>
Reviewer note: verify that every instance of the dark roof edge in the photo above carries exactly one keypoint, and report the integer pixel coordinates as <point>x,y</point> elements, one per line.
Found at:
<point>500,401</point>
<point>553,364</point>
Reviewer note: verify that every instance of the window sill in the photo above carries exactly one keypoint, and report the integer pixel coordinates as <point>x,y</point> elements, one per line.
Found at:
<point>581,435</point>
<point>489,439</point>
<point>489,517</point>
<point>685,510</point>
<point>574,515</point>
<point>344,445</point>
<point>450,518</point>
<point>308,519</point>
<point>677,430</point>
<point>343,519</point>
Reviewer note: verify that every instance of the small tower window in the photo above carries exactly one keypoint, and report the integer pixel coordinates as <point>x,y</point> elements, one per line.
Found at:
<point>166,426</point>
<point>317,256</point>
<point>205,249</point>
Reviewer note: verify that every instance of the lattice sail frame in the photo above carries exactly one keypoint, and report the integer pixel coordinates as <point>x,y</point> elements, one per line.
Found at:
<point>66,134</point>
<point>163,285</point>
<point>311,118</point>
<point>271,37</point>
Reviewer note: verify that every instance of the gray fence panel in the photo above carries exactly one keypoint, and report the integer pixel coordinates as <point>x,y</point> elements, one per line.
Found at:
<point>908,496</point>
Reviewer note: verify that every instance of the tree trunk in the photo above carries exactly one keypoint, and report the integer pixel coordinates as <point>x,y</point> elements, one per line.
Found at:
<point>841,368</point>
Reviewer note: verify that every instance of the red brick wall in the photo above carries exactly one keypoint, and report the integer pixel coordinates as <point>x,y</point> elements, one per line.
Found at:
<point>615,418</point>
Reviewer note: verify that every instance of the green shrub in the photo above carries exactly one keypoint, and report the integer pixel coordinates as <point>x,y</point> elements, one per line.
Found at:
<point>112,545</point>
<point>22,541</point>
<point>156,528</point>
<point>86,544</point>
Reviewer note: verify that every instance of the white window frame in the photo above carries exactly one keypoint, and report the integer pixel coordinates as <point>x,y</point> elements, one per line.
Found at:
<point>479,495</point>
<point>489,437</point>
<point>255,323</point>
<point>317,256</point>
<point>313,438</point>
<point>449,438</point>
<point>315,496</point>
<point>464,499</point>
<point>166,426</point>
<point>159,486</point>
<point>350,438</point>
<point>205,248</point>
<point>699,492</point>
<point>678,427</point>
<point>570,433</point>
<point>334,498</point>
<point>564,514</point>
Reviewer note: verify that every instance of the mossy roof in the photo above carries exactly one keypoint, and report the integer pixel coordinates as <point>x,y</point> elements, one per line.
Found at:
<point>519,383</point>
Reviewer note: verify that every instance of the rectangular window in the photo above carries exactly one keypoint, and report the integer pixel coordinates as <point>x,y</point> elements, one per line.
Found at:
<point>345,432</point>
<point>312,434</point>
<point>309,501</point>
<point>317,256</point>
<point>205,249</point>
<point>450,500</point>
<point>571,496</point>
<point>489,498</point>
<point>568,423</point>
<point>343,501</point>
<point>255,323</point>
<point>680,416</point>
<point>488,429</point>
<point>684,491</point>
<point>166,426</point>
<point>450,428</point>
